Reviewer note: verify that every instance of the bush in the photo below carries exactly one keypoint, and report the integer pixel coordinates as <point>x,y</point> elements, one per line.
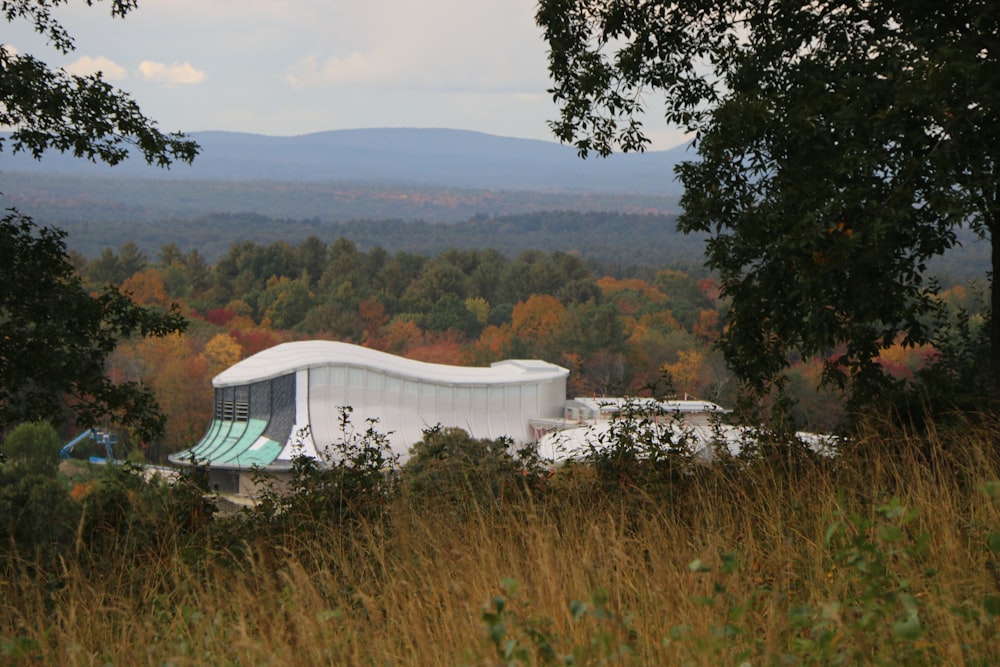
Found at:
<point>37,517</point>
<point>33,448</point>
<point>642,448</point>
<point>353,479</point>
<point>450,465</point>
<point>127,512</point>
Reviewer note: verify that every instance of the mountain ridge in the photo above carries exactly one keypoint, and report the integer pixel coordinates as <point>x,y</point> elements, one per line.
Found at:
<point>405,156</point>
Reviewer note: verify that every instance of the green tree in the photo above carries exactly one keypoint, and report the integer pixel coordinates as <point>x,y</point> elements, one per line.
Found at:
<point>288,302</point>
<point>115,268</point>
<point>439,278</point>
<point>451,312</point>
<point>32,448</point>
<point>313,255</point>
<point>840,145</point>
<point>54,335</point>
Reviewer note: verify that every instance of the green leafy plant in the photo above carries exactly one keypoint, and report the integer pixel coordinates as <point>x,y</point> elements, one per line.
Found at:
<point>644,446</point>
<point>520,638</point>
<point>32,448</point>
<point>876,615</point>
<point>352,479</point>
<point>448,465</point>
<point>872,615</point>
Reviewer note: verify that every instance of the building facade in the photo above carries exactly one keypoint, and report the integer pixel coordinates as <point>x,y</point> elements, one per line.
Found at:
<point>291,399</point>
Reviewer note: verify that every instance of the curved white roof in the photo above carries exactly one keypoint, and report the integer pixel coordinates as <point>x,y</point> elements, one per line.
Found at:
<point>290,357</point>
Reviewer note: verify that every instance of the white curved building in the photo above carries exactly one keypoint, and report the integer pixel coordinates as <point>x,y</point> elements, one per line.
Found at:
<point>289,398</point>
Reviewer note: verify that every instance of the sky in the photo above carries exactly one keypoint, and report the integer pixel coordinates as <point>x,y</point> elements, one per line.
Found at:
<point>291,67</point>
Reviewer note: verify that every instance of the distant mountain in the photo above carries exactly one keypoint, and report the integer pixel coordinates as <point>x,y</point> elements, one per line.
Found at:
<point>426,157</point>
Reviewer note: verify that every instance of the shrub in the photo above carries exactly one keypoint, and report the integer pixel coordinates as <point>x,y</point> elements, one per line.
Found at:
<point>450,465</point>
<point>37,517</point>
<point>642,448</point>
<point>353,479</point>
<point>33,448</point>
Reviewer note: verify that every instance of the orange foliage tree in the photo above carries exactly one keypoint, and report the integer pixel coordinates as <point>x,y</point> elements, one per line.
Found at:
<point>444,347</point>
<point>706,326</point>
<point>221,352</point>
<point>687,372</point>
<point>147,288</point>
<point>178,371</point>
<point>648,292</point>
<point>493,345</point>
<point>401,334</point>
<point>538,317</point>
<point>373,317</point>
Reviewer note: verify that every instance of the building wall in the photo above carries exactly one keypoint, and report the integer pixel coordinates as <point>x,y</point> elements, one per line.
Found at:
<point>406,407</point>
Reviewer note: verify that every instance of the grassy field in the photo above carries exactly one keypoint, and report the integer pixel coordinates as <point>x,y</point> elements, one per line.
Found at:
<point>889,554</point>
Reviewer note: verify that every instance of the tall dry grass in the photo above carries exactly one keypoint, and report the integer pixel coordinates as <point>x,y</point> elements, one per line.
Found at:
<point>411,588</point>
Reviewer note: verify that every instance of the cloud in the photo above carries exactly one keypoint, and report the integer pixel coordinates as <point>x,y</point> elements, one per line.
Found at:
<point>429,45</point>
<point>176,73</point>
<point>357,67</point>
<point>111,70</point>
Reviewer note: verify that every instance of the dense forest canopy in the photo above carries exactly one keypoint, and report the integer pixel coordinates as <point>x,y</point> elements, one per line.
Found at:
<point>98,212</point>
<point>67,199</point>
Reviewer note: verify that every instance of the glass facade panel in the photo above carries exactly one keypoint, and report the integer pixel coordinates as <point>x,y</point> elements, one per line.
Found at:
<point>374,405</point>
<point>446,404</point>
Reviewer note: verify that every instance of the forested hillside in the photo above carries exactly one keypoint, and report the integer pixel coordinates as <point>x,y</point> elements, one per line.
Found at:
<point>604,237</point>
<point>100,211</point>
<point>72,199</point>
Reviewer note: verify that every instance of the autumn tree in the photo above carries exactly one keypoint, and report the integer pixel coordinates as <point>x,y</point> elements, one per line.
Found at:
<point>839,145</point>
<point>372,315</point>
<point>147,288</point>
<point>179,371</point>
<point>221,352</point>
<point>538,319</point>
